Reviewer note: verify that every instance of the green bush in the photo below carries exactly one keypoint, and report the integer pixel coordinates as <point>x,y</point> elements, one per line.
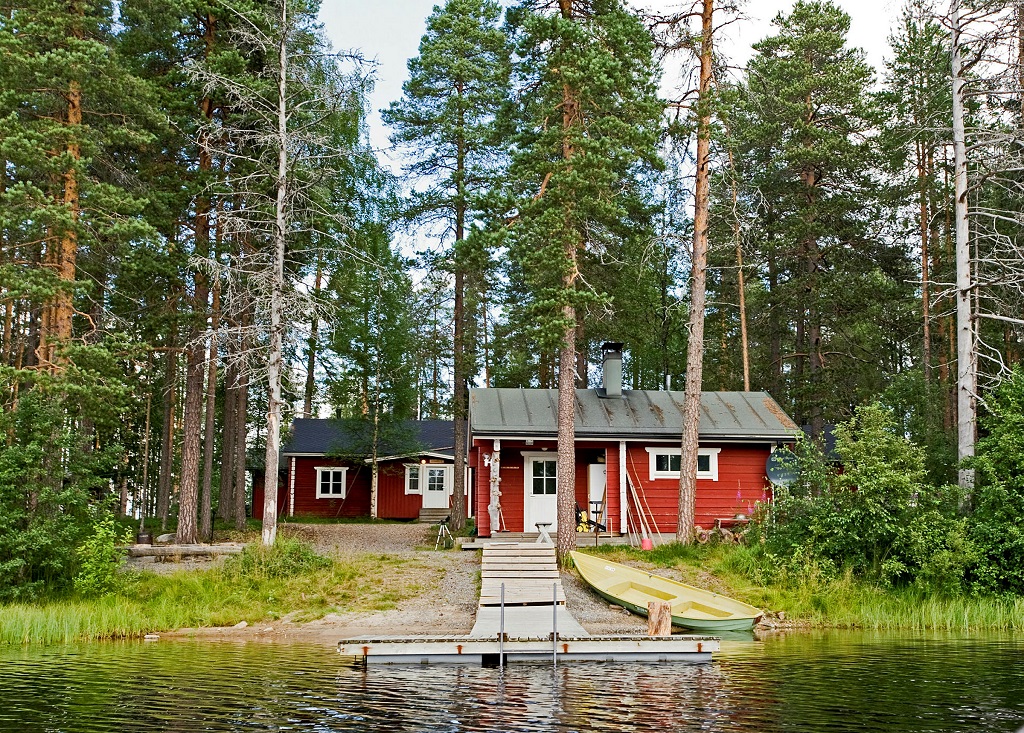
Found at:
<point>876,518</point>
<point>997,530</point>
<point>284,559</point>
<point>99,558</point>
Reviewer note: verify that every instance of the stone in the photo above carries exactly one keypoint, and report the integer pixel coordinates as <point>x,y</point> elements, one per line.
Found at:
<point>166,538</point>
<point>240,625</point>
<point>151,637</point>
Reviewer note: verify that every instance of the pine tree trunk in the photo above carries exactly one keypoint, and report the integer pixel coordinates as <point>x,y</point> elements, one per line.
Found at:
<point>225,497</point>
<point>312,346</point>
<point>203,214</point>
<point>205,499</point>
<point>566,469</point>
<point>695,345</point>
<point>163,491</point>
<point>461,365</point>
<point>241,411</point>
<point>195,362</point>
<point>740,285</point>
<point>565,481</point>
<point>62,309</point>
<point>69,240</point>
<point>924,218</point>
<point>190,444</point>
<point>965,340</point>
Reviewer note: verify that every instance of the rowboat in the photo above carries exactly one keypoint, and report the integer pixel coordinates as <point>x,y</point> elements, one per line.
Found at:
<point>692,608</point>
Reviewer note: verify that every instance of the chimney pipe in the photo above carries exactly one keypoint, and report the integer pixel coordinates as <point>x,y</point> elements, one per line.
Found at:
<point>611,366</point>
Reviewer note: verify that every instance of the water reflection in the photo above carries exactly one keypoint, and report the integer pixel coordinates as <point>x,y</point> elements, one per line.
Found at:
<point>829,682</point>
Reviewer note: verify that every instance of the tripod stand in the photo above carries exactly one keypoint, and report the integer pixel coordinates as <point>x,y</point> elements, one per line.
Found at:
<point>444,536</point>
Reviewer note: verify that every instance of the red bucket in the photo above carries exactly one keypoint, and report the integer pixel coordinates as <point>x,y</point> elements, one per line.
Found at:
<point>646,544</point>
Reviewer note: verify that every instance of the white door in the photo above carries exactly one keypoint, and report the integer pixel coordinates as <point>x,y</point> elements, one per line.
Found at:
<point>598,478</point>
<point>436,486</point>
<point>541,490</point>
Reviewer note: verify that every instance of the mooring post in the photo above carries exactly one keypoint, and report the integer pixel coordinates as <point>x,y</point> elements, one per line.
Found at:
<point>554,624</point>
<point>501,630</point>
<point>659,618</point>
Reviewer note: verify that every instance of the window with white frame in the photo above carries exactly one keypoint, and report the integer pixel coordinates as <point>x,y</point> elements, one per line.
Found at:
<point>665,462</point>
<point>412,478</point>
<point>330,482</point>
<point>420,477</point>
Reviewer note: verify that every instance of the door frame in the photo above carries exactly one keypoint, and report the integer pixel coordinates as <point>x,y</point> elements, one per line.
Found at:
<point>425,492</point>
<point>528,458</point>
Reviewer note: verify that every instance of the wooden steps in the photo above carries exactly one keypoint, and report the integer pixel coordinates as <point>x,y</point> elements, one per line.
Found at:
<point>528,571</point>
<point>433,516</point>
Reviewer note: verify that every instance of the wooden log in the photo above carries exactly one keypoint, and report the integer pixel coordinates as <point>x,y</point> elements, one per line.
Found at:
<point>181,550</point>
<point>659,618</point>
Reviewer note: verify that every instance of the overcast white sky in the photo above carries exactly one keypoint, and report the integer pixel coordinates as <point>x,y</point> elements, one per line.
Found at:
<point>389,32</point>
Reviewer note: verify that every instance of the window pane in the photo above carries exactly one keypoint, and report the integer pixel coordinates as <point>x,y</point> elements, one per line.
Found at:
<point>666,462</point>
<point>538,484</point>
<point>703,464</point>
<point>435,479</point>
<point>552,483</point>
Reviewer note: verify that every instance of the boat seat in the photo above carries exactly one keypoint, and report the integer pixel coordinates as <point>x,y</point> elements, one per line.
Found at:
<point>699,610</point>
<point>629,588</point>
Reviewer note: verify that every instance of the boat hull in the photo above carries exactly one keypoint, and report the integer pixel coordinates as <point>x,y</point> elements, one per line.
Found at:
<point>742,621</point>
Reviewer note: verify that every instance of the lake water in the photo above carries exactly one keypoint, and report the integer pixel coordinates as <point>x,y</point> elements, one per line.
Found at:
<point>827,682</point>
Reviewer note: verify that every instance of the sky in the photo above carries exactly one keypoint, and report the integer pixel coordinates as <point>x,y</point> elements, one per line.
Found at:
<point>389,31</point>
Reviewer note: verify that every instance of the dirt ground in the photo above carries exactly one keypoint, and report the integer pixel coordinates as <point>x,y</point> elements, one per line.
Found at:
<point>446,606</point>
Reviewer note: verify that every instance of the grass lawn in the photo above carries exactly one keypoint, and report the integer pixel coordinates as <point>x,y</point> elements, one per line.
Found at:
<point>257,585</point>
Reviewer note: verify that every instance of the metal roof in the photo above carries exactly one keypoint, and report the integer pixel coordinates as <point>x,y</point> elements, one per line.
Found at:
<point>638,413</point>
<point>311,436</point>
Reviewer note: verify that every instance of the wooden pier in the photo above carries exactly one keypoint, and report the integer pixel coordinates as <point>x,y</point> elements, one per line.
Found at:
<point>522,617</point>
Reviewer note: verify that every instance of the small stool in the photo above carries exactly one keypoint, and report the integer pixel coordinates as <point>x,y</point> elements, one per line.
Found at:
<point>543,538</point>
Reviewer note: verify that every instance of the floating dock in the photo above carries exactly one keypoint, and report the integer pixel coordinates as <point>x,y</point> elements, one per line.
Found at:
<point>471,650</point>
<point>522,617</point>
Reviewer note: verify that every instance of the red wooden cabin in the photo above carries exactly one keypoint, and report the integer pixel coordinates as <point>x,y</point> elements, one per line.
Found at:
<point>627,454</point>
<point>326,470</point>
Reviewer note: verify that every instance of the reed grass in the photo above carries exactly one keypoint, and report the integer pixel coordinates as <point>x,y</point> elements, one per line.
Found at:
<point>814,600</point>
<point>256,586</point>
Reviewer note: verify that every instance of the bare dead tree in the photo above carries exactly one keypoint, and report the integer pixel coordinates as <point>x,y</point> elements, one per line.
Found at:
<point>986,60</point>
<point>280,151</point>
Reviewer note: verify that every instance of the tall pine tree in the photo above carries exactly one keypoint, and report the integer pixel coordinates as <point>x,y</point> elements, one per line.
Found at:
<point>456,86</point>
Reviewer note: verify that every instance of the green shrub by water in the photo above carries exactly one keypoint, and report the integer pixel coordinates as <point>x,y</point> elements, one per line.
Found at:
<point>258,585</point>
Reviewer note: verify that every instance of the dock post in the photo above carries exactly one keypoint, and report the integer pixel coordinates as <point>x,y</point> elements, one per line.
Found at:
<point>501,631</point>
<point>554,624</point>
<point>659,618</point>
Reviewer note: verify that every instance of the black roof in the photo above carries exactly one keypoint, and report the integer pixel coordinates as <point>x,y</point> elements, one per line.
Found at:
<point>311,436</point>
